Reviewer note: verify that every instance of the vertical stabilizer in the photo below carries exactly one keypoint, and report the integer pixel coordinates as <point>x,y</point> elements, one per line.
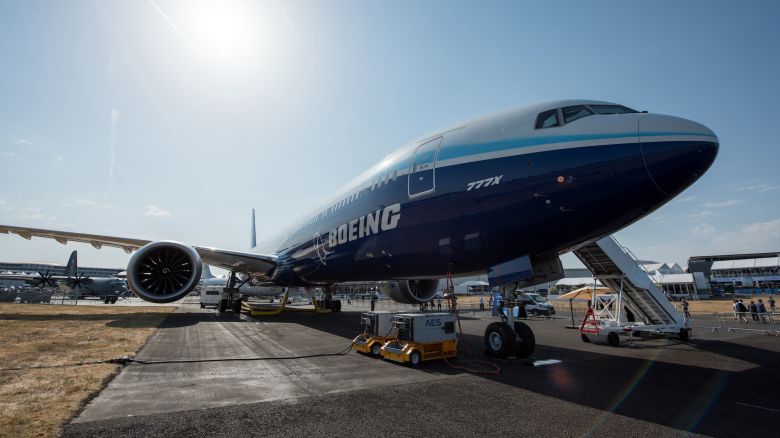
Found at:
<point>72,266</point>
<point>206,273</point>
<point>253,234</point>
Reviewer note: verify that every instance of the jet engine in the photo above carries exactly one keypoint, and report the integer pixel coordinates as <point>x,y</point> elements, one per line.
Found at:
<point>410,291</point>
<point>163,272</point>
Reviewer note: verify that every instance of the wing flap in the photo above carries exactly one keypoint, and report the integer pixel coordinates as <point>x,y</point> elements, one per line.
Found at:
<point>248,263</point>
<point>63,237</point>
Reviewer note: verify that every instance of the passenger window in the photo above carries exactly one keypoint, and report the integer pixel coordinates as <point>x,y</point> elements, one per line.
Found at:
<point>572,113</point>
<point>611,109</point>
<point>547,119</point>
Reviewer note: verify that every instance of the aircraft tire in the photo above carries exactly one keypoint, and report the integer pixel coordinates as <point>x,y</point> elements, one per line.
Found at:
<point>336,306</point>
<point>113,300</point>
<point>499,340</point>
<point>222,307</point>
<point>525,339</point>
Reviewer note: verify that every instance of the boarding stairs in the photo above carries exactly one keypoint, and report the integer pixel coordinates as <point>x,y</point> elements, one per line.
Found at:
<point>617,268</point>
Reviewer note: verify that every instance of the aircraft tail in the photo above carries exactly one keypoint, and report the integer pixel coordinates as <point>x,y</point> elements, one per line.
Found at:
<point>253,233</point>
<point>206,273</point>
<point>72,266</point>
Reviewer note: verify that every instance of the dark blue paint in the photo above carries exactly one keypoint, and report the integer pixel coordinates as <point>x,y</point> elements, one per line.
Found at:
<point>546,203</point>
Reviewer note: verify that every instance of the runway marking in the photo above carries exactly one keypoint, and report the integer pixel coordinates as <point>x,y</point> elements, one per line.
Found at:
<point>756,406</point>
<point>541,363</point>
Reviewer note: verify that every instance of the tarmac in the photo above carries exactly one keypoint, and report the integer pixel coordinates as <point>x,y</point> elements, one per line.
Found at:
<point>717,384</point>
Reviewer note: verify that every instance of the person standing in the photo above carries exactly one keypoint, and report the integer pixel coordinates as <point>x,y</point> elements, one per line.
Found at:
<point>481,303</point>
<point>741,311</point>
<point>771,302</point>
<point>753,311</point>
<point>438,303</point>
<point>373,302</point>
<point>685,308</point>
<point>761,311</point>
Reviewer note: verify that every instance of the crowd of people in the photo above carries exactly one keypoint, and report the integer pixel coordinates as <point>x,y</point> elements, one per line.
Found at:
<point>756,310</point>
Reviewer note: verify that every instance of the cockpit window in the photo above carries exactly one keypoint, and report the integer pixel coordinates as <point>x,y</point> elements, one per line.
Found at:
<point>572,113</point>
<point>611,109</point>
<point>548,119</point>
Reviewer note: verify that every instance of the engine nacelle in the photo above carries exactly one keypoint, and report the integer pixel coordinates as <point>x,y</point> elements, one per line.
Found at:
<point>163,272</point>
<point>410,291</point>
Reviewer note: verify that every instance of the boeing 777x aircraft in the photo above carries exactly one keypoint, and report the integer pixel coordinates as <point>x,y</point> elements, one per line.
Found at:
<point>506,193</point>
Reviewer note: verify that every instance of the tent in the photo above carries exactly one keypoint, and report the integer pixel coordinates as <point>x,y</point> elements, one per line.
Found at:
<point>583,293</point>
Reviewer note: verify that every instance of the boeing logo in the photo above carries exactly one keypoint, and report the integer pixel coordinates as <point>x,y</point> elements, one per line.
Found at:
<point>364,226</point>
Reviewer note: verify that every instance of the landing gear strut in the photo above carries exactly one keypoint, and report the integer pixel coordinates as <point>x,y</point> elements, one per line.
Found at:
<point>509,337</point>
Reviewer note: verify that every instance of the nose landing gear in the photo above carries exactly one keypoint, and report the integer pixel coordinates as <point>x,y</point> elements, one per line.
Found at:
<point>508,337</point>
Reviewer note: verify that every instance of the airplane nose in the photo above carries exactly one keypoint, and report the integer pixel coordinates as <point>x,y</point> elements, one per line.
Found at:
<point>676,151</point>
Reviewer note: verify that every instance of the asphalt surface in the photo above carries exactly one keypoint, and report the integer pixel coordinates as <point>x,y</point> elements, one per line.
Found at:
<point>718,385</point>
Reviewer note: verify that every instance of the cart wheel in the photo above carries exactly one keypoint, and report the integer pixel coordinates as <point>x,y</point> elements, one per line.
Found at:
<point>684,335</point>
<point>499,340</point>
<point>415,358</point>
<point>526,342</point>
<point>613,339</point>
<point>202,306</point>
<point>375,348</point>
<point>222,306</point>
<point>584,338</point>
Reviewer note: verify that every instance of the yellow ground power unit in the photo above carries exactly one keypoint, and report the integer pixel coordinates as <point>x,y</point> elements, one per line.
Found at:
<point>420,337</point>
<point>377,330</point>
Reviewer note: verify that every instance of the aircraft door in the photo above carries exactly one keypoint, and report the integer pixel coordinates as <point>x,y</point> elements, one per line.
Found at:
<point>422,171</point>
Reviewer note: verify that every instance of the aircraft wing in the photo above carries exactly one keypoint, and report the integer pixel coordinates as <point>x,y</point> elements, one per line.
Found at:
<point>245,262</point>
<point>20,277</point>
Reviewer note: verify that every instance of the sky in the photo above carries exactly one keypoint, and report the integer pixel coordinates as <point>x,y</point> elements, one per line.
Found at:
<point>168,119</point>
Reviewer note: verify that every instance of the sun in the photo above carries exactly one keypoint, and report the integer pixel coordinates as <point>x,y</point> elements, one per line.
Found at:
<point>226,34</point>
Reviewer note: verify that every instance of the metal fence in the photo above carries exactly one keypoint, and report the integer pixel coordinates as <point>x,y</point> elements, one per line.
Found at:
<point>763,323</point>
<point>712,321</point>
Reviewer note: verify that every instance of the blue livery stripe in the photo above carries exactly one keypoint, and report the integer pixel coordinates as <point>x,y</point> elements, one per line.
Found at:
<point>459,151</point>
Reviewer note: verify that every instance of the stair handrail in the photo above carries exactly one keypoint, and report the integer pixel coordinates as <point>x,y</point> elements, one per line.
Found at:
<point>631,254</point>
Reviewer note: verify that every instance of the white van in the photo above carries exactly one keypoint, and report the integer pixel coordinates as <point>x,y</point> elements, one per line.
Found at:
<point>536,304</point>
<point>210,296</point>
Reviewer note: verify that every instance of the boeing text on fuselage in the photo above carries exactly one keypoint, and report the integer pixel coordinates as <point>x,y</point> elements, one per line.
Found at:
<point>380,220</point>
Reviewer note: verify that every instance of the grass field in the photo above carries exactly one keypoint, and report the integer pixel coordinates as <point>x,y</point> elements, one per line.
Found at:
<point>36,402</point>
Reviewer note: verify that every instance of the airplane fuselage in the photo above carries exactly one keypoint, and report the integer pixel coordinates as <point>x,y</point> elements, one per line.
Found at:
<point>98,287</point>
<point>491,190</point>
